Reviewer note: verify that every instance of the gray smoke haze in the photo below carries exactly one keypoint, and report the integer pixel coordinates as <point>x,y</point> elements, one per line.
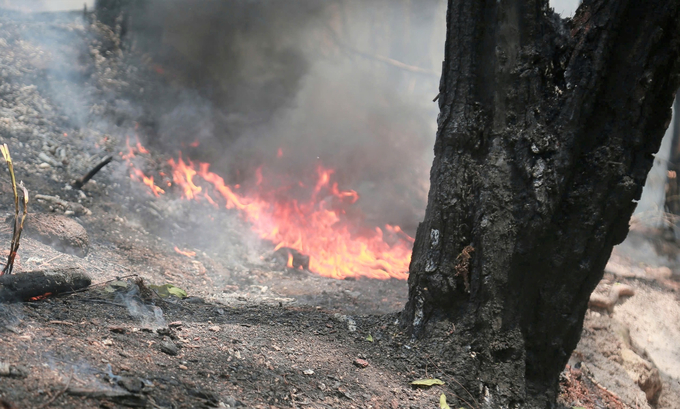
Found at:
<point>344,83</point>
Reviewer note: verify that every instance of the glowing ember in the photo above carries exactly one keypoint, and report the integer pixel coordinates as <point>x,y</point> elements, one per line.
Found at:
<point>317,226</point>
<point>187,253</point>
<point>40,297</point>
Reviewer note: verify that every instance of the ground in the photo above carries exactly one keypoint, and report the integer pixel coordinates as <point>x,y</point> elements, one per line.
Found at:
<point>252,333</point>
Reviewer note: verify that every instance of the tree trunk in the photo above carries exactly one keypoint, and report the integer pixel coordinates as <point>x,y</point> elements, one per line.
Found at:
<point>546,133</point>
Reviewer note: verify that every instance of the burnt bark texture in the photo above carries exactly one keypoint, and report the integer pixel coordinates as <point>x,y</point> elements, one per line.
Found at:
<point>546,133</point>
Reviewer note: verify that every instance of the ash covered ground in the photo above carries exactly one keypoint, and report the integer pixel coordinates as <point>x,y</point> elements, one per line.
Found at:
<point>252,333</point>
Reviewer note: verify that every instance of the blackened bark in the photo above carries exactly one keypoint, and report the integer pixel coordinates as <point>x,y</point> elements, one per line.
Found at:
<point>546,133</point>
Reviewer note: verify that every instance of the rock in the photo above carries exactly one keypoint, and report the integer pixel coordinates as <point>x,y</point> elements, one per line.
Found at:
<point>643,373</point>
<point>13,371</point>
<point>131,383</point>
<point>60,232</point>
<point>308,372</point>
<point>214,328</point>
<point>659,273</point>
<point>169,348</point>
<point>361,363</point>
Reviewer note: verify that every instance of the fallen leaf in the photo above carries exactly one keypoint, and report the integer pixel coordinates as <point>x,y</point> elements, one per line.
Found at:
<point>427,382</point>
<point>369,338</point>
<point>442,402</point>
<point>166,290</point>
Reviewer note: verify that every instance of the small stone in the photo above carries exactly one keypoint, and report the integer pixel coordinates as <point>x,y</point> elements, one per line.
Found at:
<point>214,328</point>
<point>308,372</point>
<point>175,324</point>
<point>107,342</point>
<point>169,347</point>
<point>183,367</point>
<point>361,363</point>
<point>4,369</point>
<point>132,384</point>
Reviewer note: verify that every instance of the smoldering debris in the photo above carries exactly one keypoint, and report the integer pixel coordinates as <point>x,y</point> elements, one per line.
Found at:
<point>149,316</point>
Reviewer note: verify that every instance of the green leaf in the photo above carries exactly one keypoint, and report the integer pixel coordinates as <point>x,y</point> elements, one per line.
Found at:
<point>166,290</point>
<point>427,382</point>
<point>369,338</point>
<point>442,402</point>
<point>119,283</point>
<point>114,286</point>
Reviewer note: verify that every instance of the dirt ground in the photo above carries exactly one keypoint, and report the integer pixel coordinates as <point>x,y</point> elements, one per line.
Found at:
<point>252,332</point>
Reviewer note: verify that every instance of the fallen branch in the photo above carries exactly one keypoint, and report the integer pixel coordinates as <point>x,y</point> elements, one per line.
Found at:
<point>23,287</point>
<point>79,183</point>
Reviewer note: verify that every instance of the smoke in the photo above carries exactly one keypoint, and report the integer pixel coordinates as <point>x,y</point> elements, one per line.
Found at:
<point>149,316</point>
<point>342,83</point>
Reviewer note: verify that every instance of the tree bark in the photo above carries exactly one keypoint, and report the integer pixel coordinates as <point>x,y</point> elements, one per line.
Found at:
<point>546,133</point>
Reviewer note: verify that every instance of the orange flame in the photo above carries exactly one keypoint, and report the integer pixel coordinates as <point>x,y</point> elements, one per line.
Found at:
<point>289,264</point>
<point>135,173</point>
<point>187,253</point>
<point>316,227</point>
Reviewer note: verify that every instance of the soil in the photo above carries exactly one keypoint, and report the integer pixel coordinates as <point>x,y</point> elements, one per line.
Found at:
<point>252,332</point>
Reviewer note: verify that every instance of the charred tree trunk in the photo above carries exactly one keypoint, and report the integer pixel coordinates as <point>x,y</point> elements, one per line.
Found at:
<point>546,133</point>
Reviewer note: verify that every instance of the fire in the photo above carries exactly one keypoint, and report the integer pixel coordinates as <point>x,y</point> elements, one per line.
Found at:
<point>187,253</point>
<point>135,173</point>
<point>308,217</point>
<point>289,264</point>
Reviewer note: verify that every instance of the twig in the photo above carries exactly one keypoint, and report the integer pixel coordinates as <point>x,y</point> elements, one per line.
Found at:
<point>292,399</point>
<point>79,183</point>
<point>70,324</point>
<point>18,224</point>
<point>97,285</point>
<point>53,258</point>
<point>99,301</point>
<point>61,392</point>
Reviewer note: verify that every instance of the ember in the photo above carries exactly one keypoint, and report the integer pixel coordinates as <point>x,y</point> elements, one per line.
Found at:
<point>187,253</point>
<point>40,297</point>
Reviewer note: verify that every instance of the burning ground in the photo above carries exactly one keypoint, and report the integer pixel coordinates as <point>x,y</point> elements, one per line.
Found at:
<point>265,324</point>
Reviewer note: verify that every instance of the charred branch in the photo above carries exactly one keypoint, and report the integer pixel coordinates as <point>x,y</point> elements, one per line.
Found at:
<point>24,286</point>
<point>79,183</point>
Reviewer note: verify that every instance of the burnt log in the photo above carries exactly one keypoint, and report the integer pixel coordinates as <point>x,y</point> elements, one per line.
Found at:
<point>546,133</point>
<point>25,286</point>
